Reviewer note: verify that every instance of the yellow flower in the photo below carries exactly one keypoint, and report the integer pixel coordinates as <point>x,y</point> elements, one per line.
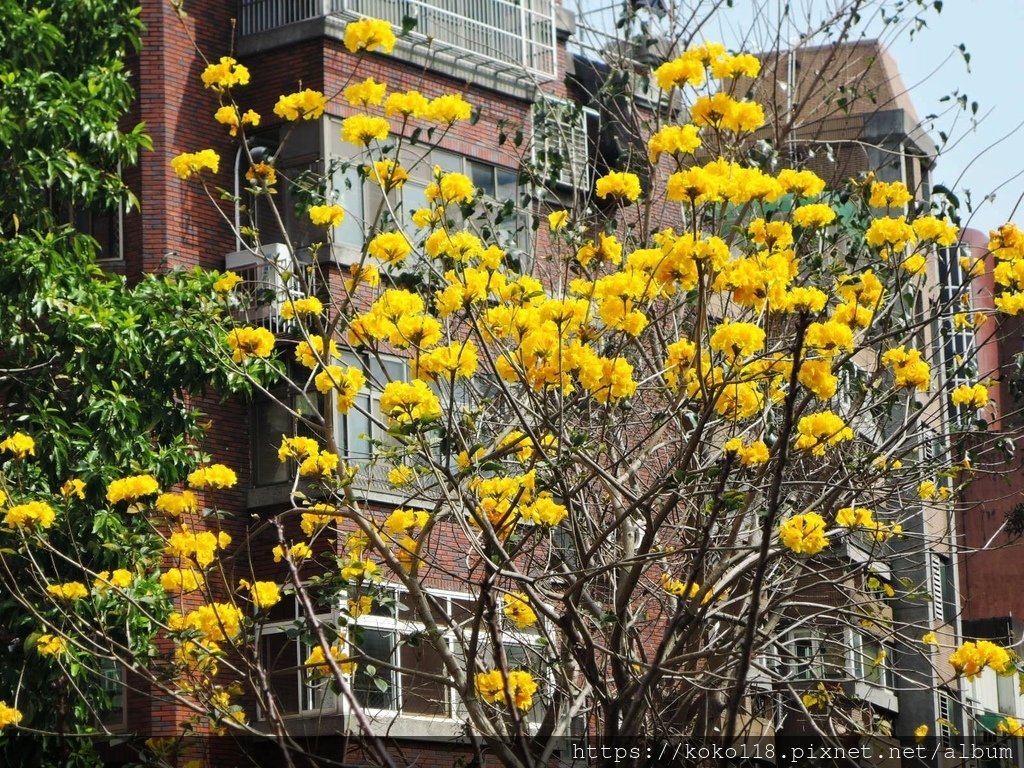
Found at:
<point>804,534</point>
<point>405,105</point>
<point>521,686</point>
<point>401,476</point>
<point>818,431</point>
<point>262,172</point>
<point>302,105</point>
<point>557,220</point>
<point>403,402</point>
<point>518,611</point>
<point>326,215</point>
<point>921,732</point>
<point>389,247</point>
<point>250,342</point>
<point>369,35</point>
<point>448,109</point>
<point>31,515</point>
<point>18,445</point>
<point>218,622</point>
<point>8,715</point>
<point>177,504</point>
<point>189,164</point>
<point>213,476</point>
<point>357,569</point>
<point>309,353</point>
<point>362,129</point>
<point>737,340</point>
<point>227,282</point>
<point>674,140</point>
<point>801,183</point>
<point>754,453</point>
<point>889,195</point>
<point>448,188</point>
<point>224,74</point>
<point>813,215</point>
<point>389,174</point>
<point>1010,726</point>
<point>70,591</point>
<point>975,395</point>
<point>310,305</point>
<point>930,638</point>
<point>722,111</point>
<point>933,229</point>
<point>360,607</point>
<point>317,663</point>
<point>625,186</point>
<point>228,115</point>
<point>132,488</point>
<point>183,580</point>
<point>908,368</point>
<point>264,594</point>
<point>200,547</point>
<point>687,69</point>
<point>889,233</point>
<point>297,552</point>
<point>368,93</point>
<point>973,656</point>
<point>51,645</point>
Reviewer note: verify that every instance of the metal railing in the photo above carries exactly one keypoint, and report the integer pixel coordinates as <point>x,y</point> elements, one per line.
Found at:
<point>519,34</point>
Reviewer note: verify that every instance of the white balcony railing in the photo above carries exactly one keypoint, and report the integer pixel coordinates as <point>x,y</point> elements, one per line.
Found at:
<point>504,32</point>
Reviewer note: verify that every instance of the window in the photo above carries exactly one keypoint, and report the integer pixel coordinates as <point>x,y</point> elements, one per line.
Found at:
<point>873,661</point>
<point>362,432</point>
<point>408,675</point>
<point>270,421</point>
<point>561,142</point>
<point>283,652</point>
<point>115,716</point>
<point>944,602</point>
<point>949,717</point>
<point>812,656</point>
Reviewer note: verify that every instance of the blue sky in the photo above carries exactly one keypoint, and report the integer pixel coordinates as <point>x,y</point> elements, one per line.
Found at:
<point>986,158</point>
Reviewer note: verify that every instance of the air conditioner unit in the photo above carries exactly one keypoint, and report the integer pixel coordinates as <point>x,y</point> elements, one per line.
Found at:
<point>269,280</point>
<point>561,135</point>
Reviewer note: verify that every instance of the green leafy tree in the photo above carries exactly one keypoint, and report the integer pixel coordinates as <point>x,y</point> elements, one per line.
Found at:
<point>98,372</point>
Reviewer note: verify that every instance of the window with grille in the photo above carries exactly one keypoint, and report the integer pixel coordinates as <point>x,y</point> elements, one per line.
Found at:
<point>561,142</point>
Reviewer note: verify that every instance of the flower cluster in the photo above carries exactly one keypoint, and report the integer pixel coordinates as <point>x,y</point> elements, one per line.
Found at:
<point>213,476</point>
<point>189,164</point>
<point>19,445</point>
<point>225,74</point>
<point>804,534</point>
<point>248,342</point>
<point>520,686</point>
<point>32,515</point>
<point>132,488</point>
<point>974,655</point>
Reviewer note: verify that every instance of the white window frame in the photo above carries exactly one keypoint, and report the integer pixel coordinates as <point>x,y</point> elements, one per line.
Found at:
<point>330,702</point>
<point>818,666</point>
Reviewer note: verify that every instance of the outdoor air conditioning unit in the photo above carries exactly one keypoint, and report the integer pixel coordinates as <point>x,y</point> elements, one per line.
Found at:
<point>269,280</point>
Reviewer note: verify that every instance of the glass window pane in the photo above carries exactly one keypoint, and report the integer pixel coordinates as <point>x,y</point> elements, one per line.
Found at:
<point>506,185</point>
<point>482,176</point>
<point>279,656</point>
<point>375,690</point>
<point>413,197</point>
<point>447,161</point>
<point>271,422</point>
<point>348,192</point>
<point>358,431</point>
<point>420,695</point>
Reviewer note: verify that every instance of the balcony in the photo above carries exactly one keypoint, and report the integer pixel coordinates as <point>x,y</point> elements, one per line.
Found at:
<point>498,39</point>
